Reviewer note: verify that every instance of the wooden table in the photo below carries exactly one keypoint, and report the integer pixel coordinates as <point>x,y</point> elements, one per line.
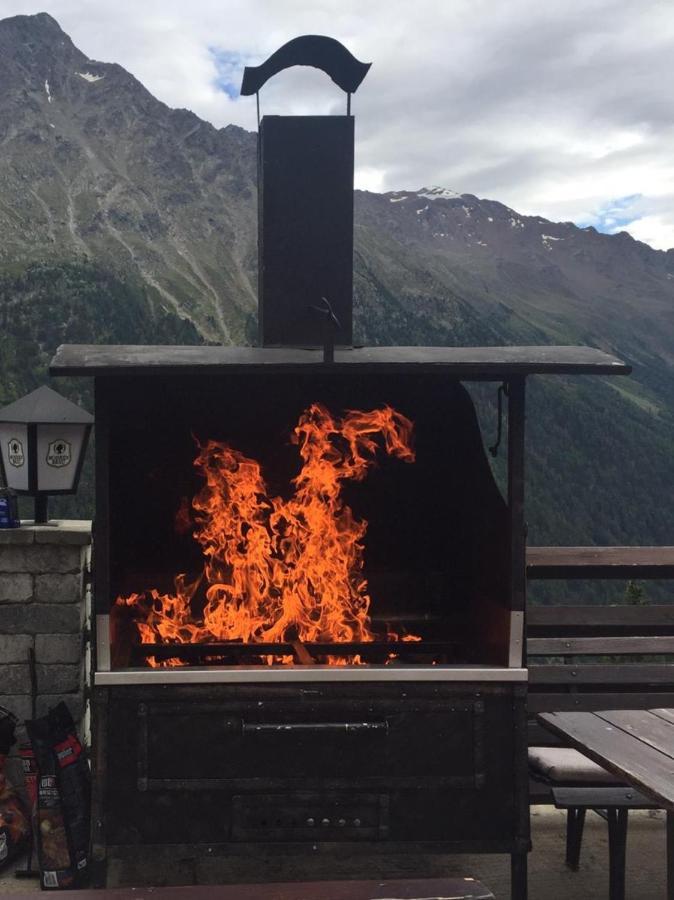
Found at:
<point>637,745</point>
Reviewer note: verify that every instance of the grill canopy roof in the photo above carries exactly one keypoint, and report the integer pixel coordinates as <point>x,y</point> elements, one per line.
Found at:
<point>461,362</point>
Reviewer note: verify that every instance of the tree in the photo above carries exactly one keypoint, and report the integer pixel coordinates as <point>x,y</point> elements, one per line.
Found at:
<point>635,595</point>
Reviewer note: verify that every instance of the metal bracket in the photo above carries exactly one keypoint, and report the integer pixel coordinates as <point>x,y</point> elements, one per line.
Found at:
<point>330,326</point>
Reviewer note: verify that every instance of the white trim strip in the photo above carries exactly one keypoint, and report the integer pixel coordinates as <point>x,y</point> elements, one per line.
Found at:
<point>103,643</point>
<point>516,647</point>
<point>279,674</point>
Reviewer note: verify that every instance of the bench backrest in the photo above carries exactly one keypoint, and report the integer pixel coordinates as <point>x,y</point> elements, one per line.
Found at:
<point>598,657</point>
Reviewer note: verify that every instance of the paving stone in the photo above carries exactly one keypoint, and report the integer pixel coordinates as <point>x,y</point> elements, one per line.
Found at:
<point>15,679</point>
<point>74,702</point>
<point>58,679</point>
<point>16,587</point>
<point>14,648</point>
<point>58,588</point>
<point>17,536</point>
<point>64,531</point>
<point>19,704</point>
<point>40,618</point>
<point>40,558</point>
<point>57,648</point>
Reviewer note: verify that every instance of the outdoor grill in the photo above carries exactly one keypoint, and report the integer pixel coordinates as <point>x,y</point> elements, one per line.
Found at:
<point>309,589</point>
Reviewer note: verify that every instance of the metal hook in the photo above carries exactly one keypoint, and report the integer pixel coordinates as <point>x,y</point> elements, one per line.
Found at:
<point>503,389</point>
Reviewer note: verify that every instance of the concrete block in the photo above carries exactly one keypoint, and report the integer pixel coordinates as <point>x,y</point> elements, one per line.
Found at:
<point>58,587</point>
<point>57,648</point>
<point>14,648</point>
<point>40,558</point>
<point>58,679</point>
<point>41,618</point>
<point>19,704</point>
<point>16,587</point>
<point>74,702</point>
<point>64,531</point>
<point>14,679</point>
<point>16,536</point>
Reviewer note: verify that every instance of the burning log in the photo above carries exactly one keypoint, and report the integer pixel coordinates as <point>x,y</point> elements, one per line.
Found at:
<point>303,656</point>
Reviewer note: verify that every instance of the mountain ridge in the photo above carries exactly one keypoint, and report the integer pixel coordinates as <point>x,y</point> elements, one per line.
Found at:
<point>123,220</point>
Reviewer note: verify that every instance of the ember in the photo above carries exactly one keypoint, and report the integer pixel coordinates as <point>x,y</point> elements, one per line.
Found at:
<point>278,570</point>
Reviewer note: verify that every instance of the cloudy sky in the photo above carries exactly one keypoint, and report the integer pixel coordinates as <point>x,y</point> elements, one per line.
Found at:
<point>561,109</point>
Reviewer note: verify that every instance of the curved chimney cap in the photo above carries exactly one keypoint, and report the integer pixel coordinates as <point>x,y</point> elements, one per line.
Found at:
<point>315,50</point>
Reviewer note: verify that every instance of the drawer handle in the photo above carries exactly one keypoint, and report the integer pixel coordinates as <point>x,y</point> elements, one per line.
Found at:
<point>303,727</point>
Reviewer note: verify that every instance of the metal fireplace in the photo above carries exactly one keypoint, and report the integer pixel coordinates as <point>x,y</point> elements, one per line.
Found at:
<point>309,589</point>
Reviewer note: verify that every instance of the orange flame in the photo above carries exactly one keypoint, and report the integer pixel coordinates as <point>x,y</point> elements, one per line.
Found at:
<point>279,570</point>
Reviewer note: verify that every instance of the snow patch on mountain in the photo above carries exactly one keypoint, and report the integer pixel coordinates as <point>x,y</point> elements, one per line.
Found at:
<point>90,77</point>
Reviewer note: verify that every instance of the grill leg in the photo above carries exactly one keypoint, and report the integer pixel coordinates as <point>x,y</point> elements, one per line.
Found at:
<point>670,854</point>
<point>575,820</point>
<point>518,876</point>
<point>617,839</point>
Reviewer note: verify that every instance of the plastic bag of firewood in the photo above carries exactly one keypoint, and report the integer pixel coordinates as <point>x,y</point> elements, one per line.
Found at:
<point>14,823</point>
<point>63,795</point>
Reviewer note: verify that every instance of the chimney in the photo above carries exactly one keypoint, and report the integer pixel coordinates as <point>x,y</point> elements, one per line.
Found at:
<point>305,206</point>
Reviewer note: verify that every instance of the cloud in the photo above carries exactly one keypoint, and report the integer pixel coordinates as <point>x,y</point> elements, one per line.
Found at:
<point>655,230</point>
<point>553,109</point>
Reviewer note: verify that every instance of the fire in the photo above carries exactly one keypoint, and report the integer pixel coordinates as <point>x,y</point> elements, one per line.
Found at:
<point>278,570</point>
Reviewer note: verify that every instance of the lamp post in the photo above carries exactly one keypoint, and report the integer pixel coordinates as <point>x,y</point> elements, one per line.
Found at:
<point>43,438</point>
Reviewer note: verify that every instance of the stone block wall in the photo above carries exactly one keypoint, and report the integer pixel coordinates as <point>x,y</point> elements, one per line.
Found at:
<point>44,605</point>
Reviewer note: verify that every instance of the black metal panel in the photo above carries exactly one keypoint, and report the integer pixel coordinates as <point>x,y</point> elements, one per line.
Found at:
<point>315,740</point>
<point>101,525</point>
<point>517,524</point>
<point>305,227</point>
<point>306,816</point>
<point>445,766</point>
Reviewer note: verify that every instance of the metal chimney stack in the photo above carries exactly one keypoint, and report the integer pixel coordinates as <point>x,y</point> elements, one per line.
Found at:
<point>305,206</point>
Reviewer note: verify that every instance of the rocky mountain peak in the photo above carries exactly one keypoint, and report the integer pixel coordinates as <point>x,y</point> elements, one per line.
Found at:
<point>33,49</point>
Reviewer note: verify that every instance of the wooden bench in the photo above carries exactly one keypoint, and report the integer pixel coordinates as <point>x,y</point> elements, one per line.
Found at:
<point>417,889</point>
<point>567,646</point>
<point>590,658</point>
<point>567,649</point>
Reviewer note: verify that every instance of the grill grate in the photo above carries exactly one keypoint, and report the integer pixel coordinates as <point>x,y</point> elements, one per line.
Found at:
<point>237,652</point>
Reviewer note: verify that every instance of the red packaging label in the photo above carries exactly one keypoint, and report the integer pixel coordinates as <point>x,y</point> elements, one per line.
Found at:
<point>68,751</point>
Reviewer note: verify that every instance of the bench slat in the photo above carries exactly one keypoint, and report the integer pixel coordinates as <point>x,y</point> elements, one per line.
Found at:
<point>622,616</point>
<point>565,701</point>
<point>600,646</point>
<point>423,888</point>
<point>624,673</point>
<point>601,798</point>
<point>666,714</point>
<point>600,562</point>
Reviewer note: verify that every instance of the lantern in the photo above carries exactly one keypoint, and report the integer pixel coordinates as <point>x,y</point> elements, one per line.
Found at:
<point>43,438</point>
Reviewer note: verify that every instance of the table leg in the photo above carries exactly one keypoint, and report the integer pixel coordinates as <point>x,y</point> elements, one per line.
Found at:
<point>670,854</point>
<point>617,839</point>
<point>518,876</point>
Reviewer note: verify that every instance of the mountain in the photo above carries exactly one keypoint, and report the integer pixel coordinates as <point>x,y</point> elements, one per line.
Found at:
<point>122,220</point>
<point>93,166</point>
